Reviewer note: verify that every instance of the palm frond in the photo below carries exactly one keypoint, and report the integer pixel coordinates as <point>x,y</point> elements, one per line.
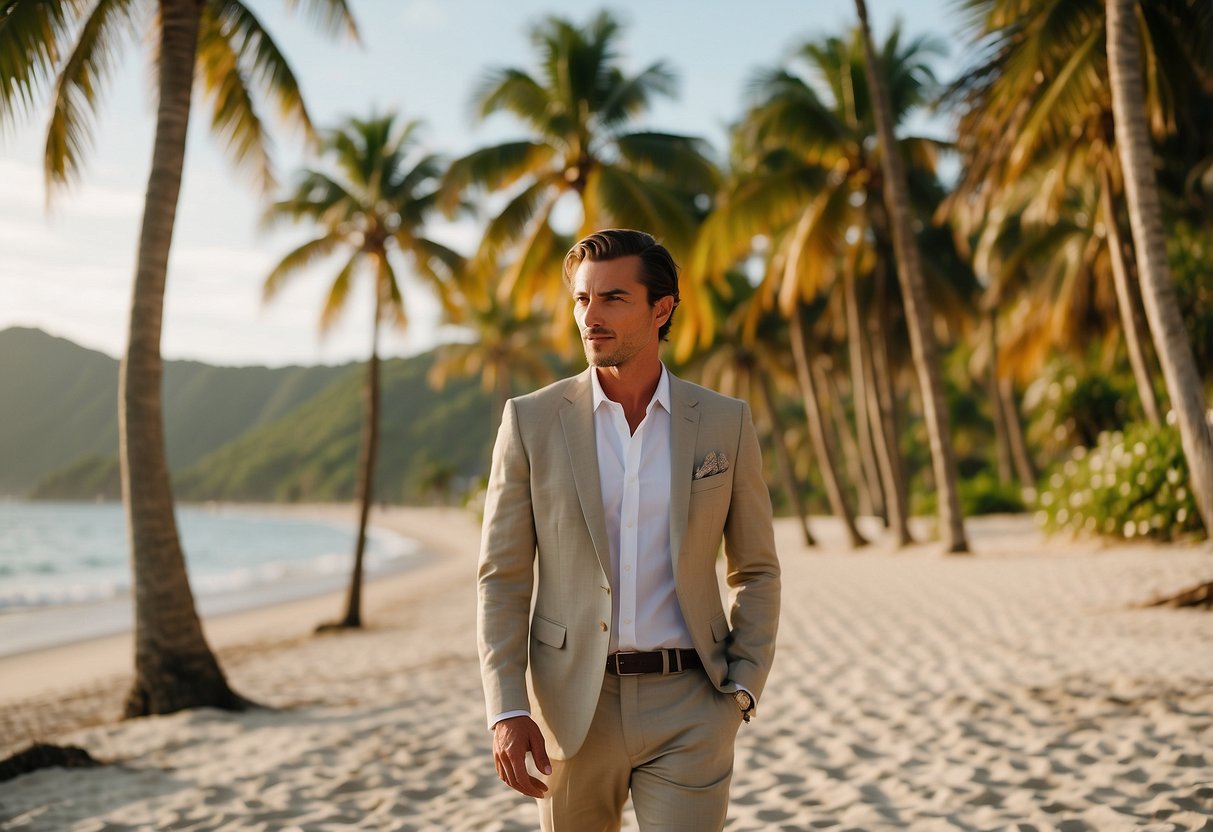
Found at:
<point>261,61</point>
<point>333,16</point>
<point>79,85</point>
<point>339,292</point>
<point>297,260</point>
<point>493,168</point>
<point>513,220</point>
<point>665,157</point>
<point>234,116</point>
<point>317,197</point>
<point>514,91</point>
<point>632,96</point>
<point>33,37</point>
<point>391,307</point>
<point>632,202</point>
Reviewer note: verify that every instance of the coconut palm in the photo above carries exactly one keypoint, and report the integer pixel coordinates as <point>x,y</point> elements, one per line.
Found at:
<point>73,46</point>
<point>1037,96</point>
<point>371,210</point>
<point>580,107</point>
<point>808,180</point>
<point>1126,74</point>
<point>914,295</point>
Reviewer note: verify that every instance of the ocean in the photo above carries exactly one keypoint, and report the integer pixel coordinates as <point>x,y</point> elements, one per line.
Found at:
<point>58,560</point>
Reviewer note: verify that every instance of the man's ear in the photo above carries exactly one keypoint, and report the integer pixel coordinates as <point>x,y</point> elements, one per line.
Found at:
<point>665,308</point>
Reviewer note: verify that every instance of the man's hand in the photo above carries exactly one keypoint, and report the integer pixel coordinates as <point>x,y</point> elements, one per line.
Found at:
<point>512,739</point>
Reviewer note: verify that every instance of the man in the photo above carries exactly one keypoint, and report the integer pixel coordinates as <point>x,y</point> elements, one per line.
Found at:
<point>605,650</point>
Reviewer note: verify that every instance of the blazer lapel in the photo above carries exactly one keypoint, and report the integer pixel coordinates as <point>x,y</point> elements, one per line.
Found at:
<point>684,430</point>
<point>577,419</point>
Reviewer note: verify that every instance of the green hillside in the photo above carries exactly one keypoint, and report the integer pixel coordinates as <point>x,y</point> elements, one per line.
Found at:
<point>90,478</point>
<point>233,433</point>
<point>59,404</point>
<point>311,453</point>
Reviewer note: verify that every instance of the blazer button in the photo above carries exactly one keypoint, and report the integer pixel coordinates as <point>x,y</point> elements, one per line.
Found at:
<point>603,625</point>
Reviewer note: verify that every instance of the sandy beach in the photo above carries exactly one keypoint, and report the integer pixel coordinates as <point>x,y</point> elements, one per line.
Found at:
<point>1020,689</point>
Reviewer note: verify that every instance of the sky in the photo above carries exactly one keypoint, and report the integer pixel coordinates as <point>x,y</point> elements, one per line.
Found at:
<point>67,267</point>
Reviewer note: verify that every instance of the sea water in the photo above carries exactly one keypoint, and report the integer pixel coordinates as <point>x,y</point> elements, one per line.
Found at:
<point>65,567</point>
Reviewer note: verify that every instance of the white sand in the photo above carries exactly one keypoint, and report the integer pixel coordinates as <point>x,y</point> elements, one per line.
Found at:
<point>1015,690</point>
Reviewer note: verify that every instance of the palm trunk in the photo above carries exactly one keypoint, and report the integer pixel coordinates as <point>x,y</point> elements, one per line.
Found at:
<point>882,406</point>
<point>1002,442</point>
<point>1130,320</point>
<point>368,450</point>
<point>1157,288</point>
<point>917,305</point>
<point>821,448</point>
<point>174,666</point>
<point>859,397</point>
<point>1024,469</point>
<point>841,431</point>
<point>782,460</point>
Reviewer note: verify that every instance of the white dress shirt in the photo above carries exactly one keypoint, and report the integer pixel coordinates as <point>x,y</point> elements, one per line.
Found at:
<point>634,473</point>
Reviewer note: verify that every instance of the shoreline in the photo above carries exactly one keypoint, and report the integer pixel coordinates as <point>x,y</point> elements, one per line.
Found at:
<point>80,660</point>
<point>57,623</point>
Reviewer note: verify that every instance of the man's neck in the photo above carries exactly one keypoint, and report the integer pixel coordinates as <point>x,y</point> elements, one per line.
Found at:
<point>632,385</point>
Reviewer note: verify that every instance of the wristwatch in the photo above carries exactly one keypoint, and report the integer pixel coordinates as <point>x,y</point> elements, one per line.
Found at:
<point>745,702</point>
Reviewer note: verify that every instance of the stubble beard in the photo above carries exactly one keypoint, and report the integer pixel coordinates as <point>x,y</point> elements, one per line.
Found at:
<point>620,354</point>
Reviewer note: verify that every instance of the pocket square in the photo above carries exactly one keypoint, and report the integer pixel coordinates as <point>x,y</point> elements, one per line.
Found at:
<point>714,463</point>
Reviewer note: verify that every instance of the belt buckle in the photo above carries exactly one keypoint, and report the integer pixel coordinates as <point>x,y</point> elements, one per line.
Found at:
<point>619,669</point>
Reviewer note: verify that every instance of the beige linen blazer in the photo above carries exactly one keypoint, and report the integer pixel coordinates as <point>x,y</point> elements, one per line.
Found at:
<point>544,606</point>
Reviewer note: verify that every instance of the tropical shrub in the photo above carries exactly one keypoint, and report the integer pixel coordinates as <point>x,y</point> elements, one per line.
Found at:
<point>980,493</point>
<point>1131,484</point>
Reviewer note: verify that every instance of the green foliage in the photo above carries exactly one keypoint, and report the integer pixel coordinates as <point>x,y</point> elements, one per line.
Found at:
<point>1131,484</point>
<point>1070,406</point>
<point>1191,259</point>
<point>979,494</point>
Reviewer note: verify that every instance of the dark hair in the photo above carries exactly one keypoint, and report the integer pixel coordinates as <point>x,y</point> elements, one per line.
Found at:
<point>658,271</point>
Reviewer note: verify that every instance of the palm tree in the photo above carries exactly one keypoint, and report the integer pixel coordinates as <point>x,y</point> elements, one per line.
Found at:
<point>580,107</point>
<point>1145,215</point>
<point>807,180</point>
<point>914,296</point>
<point>371,210</point>
<point>223,44</point>
<point>1037,97</point>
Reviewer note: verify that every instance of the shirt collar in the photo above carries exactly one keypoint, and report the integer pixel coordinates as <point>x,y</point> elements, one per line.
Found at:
<point>661,395</point>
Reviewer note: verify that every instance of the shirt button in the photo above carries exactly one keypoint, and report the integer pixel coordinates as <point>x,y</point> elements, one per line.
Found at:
<point>630,524</point>
<point>627,569</point>
<point>603,625</point>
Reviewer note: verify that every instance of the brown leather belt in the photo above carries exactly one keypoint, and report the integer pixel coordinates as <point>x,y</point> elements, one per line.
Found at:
<point>669,660</point>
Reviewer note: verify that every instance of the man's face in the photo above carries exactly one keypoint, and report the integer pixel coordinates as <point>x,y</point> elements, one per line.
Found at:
<point>612,309</point>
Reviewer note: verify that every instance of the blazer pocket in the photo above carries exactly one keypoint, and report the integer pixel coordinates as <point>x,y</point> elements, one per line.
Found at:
<point>720,628</point>
<point>708,483</point>
<point>548,631</point>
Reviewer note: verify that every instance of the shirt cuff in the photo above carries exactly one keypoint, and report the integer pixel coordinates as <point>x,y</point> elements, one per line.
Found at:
<point>506,715</point>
